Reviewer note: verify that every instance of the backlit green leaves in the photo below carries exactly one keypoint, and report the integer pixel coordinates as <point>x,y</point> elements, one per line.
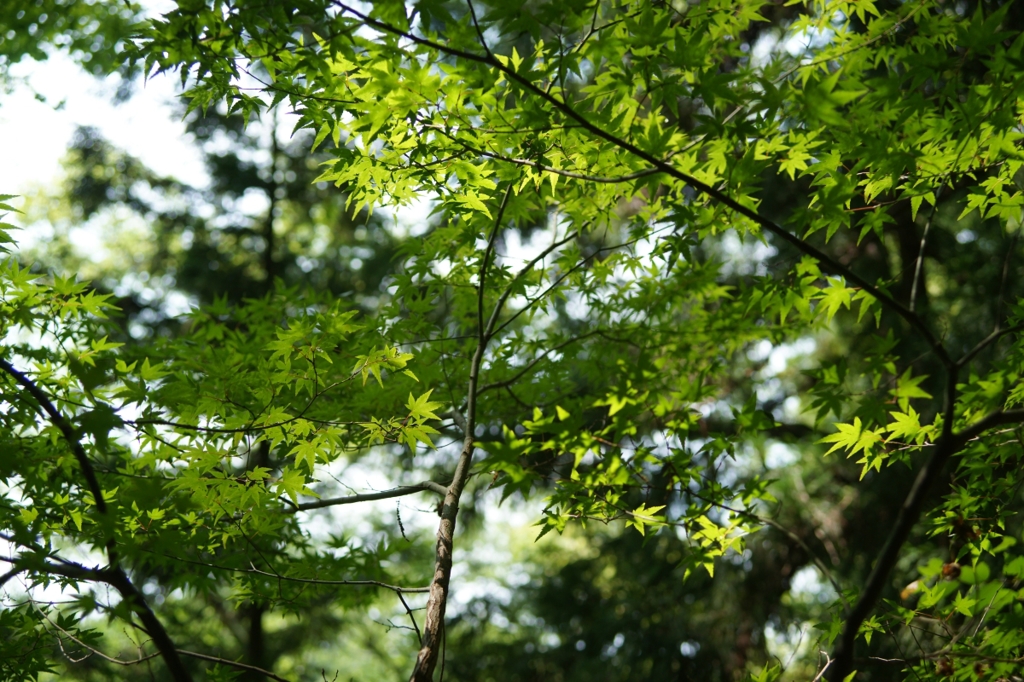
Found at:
<point>384,358</point>
<point>907,427</point>
<point>855,438</point>
<point>5,208</point>
<point>644,516</point>
<point>292,482</point>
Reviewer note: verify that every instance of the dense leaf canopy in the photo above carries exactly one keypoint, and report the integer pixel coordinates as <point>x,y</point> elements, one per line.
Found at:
<point>725,292</point>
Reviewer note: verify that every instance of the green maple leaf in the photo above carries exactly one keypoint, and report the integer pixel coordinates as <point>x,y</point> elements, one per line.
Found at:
<point>836,296</point>
<point>909,387</point>
<point>305,452</point>
<point>420,433</point>
<point>852,437</point>
<point>293,483</point>
<point>644,516</point>
<point>905,426</point>
<point>422,408</point>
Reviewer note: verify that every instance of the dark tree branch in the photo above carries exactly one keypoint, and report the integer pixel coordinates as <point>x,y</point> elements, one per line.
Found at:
<point>6,577</point>
<point>66,430</point>
<point>67,569</point>
<point>114,575</point>
<point>476,25</point>
<point>988,341</point>
<point>1000,418</point>
<point>948,445</point>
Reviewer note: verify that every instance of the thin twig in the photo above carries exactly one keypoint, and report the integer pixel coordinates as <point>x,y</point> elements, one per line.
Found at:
<point>1002,278</point>
<point>601,179</point>
<point>476,25</point>
<point>987,341</point>
<point>482,287</point>
<point>828,662</point>
<point>233,664</point>
<point>919,264</point>
<point>354,583</point>
<point>405,605</point>
<point>92,650</point>
<point>366,497</point>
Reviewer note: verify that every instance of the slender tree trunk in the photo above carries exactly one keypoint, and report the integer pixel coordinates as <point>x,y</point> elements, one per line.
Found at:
<point>269,243</point>
<point>255,646</point>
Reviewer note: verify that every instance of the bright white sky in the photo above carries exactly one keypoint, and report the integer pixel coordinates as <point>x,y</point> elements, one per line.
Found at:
<point>35,135</point>
<point>51,99</point>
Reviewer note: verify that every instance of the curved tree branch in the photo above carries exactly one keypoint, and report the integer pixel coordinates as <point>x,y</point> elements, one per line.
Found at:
<point>233,664</point>
<point>66,430</point>
<point>987,341</point>
<point>141,659</point>
<point>114,575</point>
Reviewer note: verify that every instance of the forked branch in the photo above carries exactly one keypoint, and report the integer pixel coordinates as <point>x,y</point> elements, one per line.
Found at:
<point>433,625</point>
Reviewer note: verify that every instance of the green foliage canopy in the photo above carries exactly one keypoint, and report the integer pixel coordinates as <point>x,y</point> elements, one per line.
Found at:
<point>627,143</point>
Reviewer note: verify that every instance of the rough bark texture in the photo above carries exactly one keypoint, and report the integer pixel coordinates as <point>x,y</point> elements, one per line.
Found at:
<point>433,626</point>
